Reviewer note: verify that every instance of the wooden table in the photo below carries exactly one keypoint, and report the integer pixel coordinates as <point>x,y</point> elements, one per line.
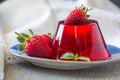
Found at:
<point>27,71</point>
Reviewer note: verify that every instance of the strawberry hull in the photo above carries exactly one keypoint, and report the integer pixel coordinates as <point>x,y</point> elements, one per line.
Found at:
<point>84,40</point>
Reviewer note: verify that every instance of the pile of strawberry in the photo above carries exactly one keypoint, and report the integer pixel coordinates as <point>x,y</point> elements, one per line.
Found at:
<point>40,45</point>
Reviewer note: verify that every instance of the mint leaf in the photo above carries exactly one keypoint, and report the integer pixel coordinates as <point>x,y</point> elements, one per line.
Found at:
<point>76,57</point>
<point>84,58</point>
<point>70,55</point>
<point>67,55</point>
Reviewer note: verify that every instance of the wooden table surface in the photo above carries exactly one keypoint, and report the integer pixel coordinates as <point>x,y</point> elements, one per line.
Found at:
<point>27,71</point>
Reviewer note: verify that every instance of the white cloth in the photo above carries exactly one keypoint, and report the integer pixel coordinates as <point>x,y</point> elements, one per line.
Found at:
<point>109,24</point>
<point>2,51</point>
<point>19,16</point>
<point>34,15</point>
<point>104,5</point>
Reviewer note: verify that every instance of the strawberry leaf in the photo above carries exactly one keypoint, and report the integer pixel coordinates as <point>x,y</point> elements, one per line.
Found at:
<point>31,31</point>
<point>21,47</point>
<point>87,16</point>
<point>67,55</point>
<point>50,35</point>
<point>20,39</point>
<point>84,8</point>
<point>25,35</point>
<point>84,58</point>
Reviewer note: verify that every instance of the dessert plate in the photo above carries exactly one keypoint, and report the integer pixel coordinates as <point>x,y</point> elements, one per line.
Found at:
<point>66,65</point>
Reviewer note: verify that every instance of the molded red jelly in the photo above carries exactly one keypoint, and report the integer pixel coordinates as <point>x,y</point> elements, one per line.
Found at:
<point>85,40</point>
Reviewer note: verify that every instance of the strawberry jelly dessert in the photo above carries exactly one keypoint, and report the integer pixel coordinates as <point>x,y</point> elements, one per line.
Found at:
<point>78,37</point>
<point>84,40</point>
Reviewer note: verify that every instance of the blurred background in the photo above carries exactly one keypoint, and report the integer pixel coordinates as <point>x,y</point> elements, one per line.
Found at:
<point>42,16</point>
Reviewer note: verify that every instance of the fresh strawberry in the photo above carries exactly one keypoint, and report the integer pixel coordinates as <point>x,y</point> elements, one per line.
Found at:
<point>78,16</point>
<point>35,46</point>
<point>38,47</point>
<point>48,38</point>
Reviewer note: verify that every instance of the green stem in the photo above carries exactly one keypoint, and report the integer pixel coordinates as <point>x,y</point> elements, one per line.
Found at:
<point>90,9</point>
<point>20,35</point>
<point>31,32</point>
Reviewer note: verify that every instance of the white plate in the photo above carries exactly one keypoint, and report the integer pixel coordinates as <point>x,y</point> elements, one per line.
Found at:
<point>66,65</point>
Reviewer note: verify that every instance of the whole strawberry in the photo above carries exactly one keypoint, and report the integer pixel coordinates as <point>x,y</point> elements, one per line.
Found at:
<point>78,16</point>
<point>48,38</point>
<point>36,45</point>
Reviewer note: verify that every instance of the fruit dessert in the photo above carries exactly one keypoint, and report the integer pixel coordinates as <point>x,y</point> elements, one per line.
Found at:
<point>35,45</point>
<point>79,38</point>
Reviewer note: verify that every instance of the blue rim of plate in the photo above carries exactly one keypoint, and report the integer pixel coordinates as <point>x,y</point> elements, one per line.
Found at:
<point>115,52</point>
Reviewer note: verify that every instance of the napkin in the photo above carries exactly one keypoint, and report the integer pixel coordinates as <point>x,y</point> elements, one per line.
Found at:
<point>35,15</point>
<point>109,24</point>
<point>2,51</point>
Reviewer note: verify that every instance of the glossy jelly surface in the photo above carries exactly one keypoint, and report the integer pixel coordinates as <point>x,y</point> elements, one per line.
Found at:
<point>84,40</point>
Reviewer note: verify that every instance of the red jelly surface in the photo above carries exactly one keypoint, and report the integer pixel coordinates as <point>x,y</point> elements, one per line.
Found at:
<point>84,40</point>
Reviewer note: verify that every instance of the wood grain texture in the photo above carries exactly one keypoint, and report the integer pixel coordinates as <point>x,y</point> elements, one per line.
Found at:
<point>27,71</point>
